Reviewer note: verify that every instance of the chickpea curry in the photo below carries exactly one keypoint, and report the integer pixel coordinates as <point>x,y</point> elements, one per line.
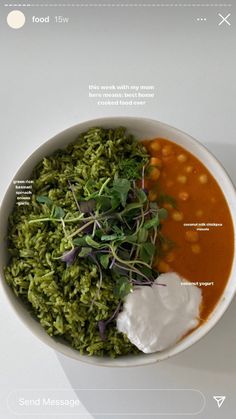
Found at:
<point>199,219</point>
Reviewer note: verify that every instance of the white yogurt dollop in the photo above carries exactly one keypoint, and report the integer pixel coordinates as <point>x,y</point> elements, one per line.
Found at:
<point>155,318</point>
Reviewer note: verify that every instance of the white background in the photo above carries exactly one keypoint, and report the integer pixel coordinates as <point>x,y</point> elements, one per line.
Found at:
<point>45,74</point>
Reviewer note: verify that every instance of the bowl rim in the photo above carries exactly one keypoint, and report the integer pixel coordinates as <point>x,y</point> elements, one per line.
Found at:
<point>220,307</point>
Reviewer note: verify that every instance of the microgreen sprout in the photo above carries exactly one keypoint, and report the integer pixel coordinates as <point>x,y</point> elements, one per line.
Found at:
<point>117,229</point>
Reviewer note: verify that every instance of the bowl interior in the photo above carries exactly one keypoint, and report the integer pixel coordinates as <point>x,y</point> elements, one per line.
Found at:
<point>141,128</point>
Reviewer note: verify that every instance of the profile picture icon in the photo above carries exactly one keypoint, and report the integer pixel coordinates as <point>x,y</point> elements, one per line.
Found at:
<point>16,19</point>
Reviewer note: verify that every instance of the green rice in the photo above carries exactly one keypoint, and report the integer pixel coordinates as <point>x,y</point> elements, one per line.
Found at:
<point>60,297</point>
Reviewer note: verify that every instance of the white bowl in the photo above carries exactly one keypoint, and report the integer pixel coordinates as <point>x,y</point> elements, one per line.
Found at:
<point>141,128</point>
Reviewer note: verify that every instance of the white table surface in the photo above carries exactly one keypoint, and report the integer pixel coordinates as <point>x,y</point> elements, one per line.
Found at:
<point>45,73</point>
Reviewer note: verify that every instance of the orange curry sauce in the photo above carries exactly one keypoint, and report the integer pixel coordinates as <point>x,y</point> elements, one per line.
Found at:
<point>197,255</point>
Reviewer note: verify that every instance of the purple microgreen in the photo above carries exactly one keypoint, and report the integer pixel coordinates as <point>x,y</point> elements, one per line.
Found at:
<point>102,324</point>
<point>95,252</point>
<point>89,228</point>
<point>121,231</point>
<point>142,283</point>
<point>112,263</point>
<point>98,224</point>
<point>83,228</point>
<point>148,283</point>
<point>69,257</point>
<point>102,329</point>
<point>87,206</point>
<point>114,315</point>
<point>159,283</point>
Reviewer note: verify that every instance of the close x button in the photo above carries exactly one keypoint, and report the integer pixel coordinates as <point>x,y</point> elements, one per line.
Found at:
<point>224,19</point>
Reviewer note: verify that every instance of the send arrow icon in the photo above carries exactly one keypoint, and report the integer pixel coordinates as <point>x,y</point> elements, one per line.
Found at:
<point>219,400</point>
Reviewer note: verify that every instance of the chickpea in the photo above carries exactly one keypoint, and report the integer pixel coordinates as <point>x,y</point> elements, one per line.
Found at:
<point>184,196</point>
<point>191,236</point>
<point>196,249</point>
<point>155,145</point>
<point>188,169</point>
<point>155,161</point>
<point>182,179</point>
<point>170,257</point>
<point>154,173</point>
<point>203,179</point>
<point>167,150</point>
<point>182,158</point>
<point>163,266</point>
<point>177,216</point>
